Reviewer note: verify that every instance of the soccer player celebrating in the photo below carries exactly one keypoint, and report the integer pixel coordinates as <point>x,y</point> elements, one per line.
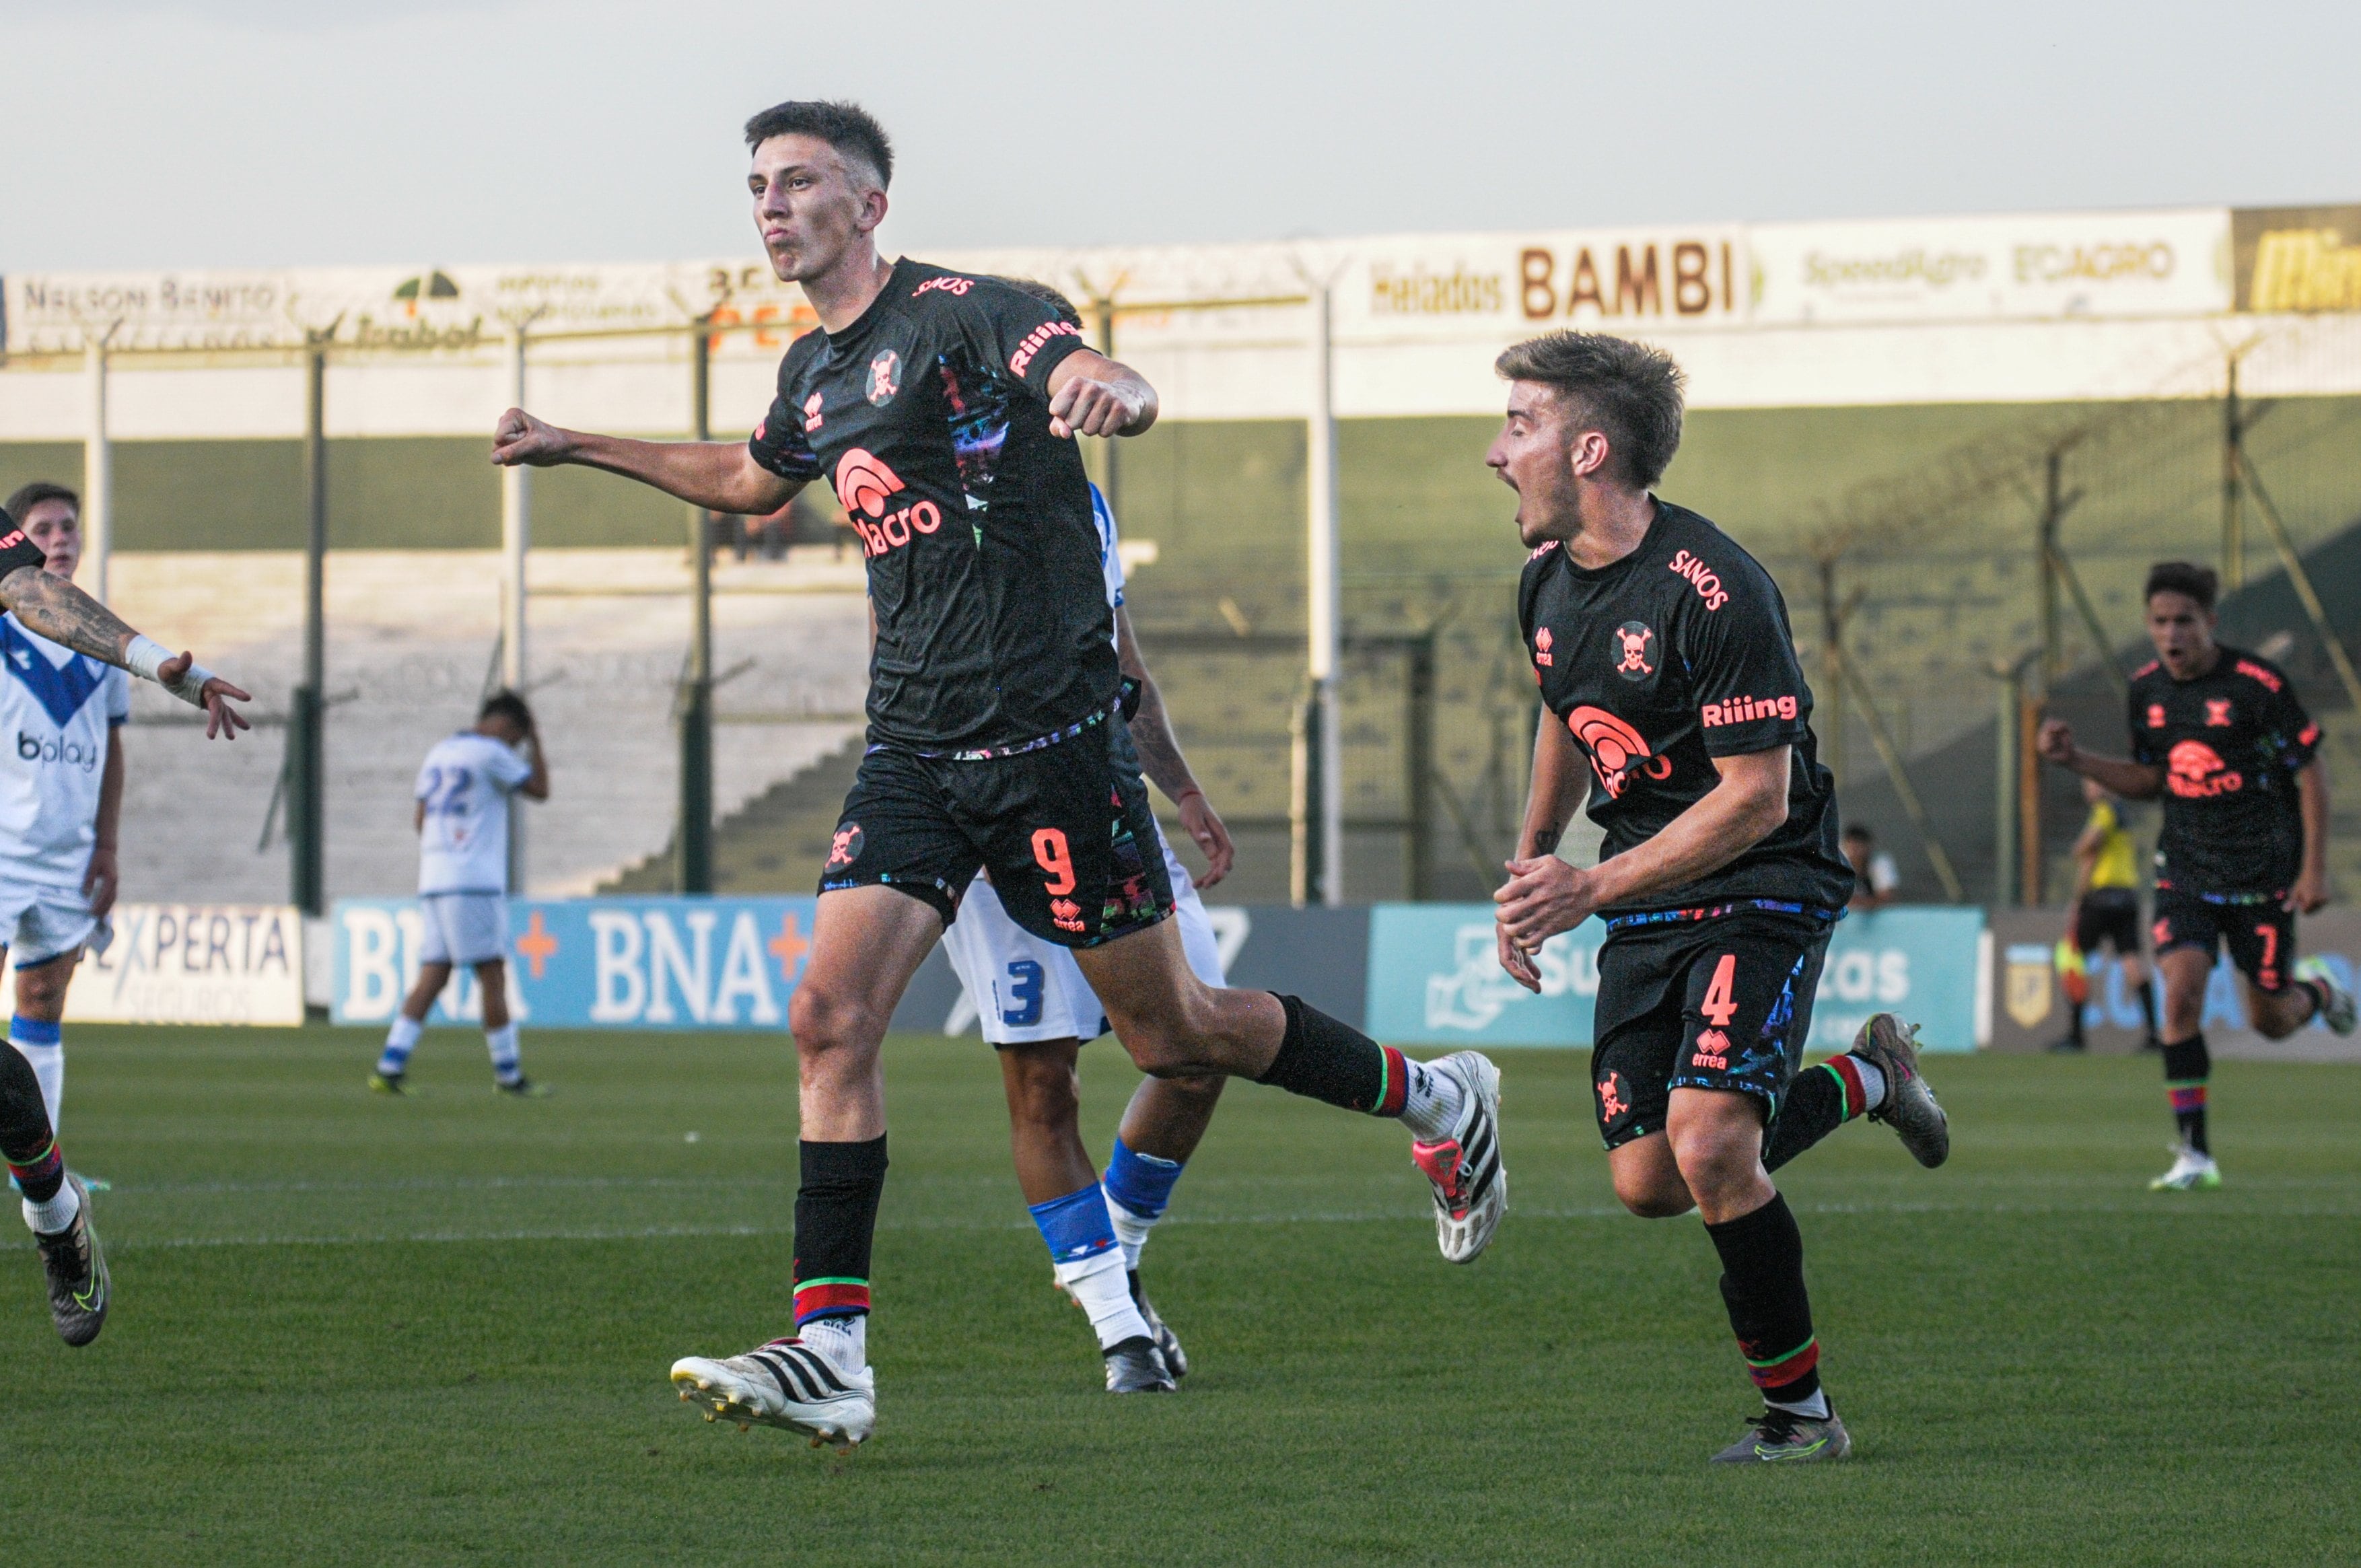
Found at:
<point>1036,1008</point>
<point>2106,909</point>
<point>2218,735</point>
<point>462,818</point>
<point>1666,664</point>
<point>942,408</point>
<point>46,610</point>
<point>62,805</point>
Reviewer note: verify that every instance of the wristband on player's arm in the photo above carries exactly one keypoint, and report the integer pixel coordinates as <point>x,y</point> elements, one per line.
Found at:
<point>144,656</point>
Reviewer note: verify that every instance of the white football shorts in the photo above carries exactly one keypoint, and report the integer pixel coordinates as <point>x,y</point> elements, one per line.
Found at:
<point>38,923</point>
<point>1026,990</point>
<point>463,928</point>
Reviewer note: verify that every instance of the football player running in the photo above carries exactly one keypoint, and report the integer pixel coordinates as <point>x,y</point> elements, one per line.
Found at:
<point>1670,678</point>
<point>2218,734</point>
<point>942,407</point>
<point>45,605</point>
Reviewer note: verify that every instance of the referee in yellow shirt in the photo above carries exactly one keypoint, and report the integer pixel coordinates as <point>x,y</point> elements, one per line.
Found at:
<point>2106,909</point>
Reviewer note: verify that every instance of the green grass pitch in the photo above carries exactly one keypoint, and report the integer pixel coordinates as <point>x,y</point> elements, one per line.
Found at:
<point>436,1329</point>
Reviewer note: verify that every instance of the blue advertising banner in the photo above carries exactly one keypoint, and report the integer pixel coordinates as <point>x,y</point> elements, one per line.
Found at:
<point>640,963</point>
<point>1435,979</point>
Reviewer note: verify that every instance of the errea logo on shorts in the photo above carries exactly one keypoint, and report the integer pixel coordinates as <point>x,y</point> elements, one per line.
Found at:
<point>1035,340</point>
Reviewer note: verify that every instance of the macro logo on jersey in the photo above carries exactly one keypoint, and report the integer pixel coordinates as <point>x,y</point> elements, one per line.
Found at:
<point>865,487</point>
<point>884,378</point>
<point>811,413</point>
<point>845,848</point>
<point>2217,712</point>
<point>1702,577</point>
<point>1542,641</point>
<point>1745,710</point>
<point>1632,639</point>
<point>2196,772</point>
<point>1616,750</point>
<point>1034,340</point>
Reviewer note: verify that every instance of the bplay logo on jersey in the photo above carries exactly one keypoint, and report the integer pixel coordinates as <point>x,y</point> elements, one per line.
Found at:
<point>865,486</point>
<point>57,750</point>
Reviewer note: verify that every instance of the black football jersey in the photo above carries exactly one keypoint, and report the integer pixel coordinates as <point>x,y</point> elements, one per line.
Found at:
<point>16,548</point>
<point>930,415</point>
<point>1679,653</point>
<point>2231,742</point>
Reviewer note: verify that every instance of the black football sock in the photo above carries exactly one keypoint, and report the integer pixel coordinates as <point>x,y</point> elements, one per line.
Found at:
<point>1762,1285</point>
<point>1324,1059</point>
<point>26,1140</point>
<point>2187,1065</point>
<point>2074,1011</point>
<point>836,1219</point>
<point>1823,1099</point>
<point>2147,1009</point>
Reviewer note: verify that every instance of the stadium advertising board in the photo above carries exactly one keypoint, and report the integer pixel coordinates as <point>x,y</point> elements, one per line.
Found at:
<point>2029,1001</point>
<point>193,963</point>
<point>2298,258</point>
<point>1435,979</point>
<point>625,964</point>
<point>2029,266</point>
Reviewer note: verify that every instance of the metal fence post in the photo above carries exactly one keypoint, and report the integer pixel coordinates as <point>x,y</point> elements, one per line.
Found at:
<point>695,833</point>
<point>307,783</point>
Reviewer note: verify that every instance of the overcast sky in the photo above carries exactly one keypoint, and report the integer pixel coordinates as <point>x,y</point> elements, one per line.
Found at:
<point>170,133</point>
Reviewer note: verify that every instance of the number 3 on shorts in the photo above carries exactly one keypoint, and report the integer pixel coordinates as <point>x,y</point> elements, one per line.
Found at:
<point>1049,852</point>
<point>1720,1006</point>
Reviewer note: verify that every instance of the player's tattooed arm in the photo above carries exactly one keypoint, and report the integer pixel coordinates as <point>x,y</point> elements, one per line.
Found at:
<point>1167,768</point>
<point>1092,395</point>
<point>62,612</point>
<point>719,475</point>
<point>1555,793</point>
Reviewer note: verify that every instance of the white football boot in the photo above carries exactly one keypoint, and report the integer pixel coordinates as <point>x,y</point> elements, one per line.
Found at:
<point>2338,1010</point>
<point>2191,1172</point>
<point>784,1384</point>
<point>1469,1178</point>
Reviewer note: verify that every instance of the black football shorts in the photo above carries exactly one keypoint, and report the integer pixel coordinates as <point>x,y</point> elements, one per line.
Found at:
<point>2108,916</point>
<point>2259,932</point>
<point>1064,828</point>
<point>1720,1003</point>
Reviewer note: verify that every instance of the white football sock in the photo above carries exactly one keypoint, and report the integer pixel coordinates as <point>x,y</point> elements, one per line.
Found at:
<point>1872,1083</point>
<point>502,1044</point>
<point>844,1340</point>
<point>1130,1232</point>
<point>399,1041</point>
<point>1814,1408</point>
<point>48,1063</point>
<point>47,1219</point>
<point>1104,1288</point>
<point>1432,1104</point>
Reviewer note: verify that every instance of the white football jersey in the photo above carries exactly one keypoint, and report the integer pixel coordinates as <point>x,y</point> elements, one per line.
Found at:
<point>465,784</point>
<point>1110,560</point>
<point>57,706</point>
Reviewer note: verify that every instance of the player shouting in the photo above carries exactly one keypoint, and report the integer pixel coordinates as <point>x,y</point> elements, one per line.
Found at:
<point>56,1205</point>
<point>941,407</point>
<point>2218,734</point>
<point>1665,661</point>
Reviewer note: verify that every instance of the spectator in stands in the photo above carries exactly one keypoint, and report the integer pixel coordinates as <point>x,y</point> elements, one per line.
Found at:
<point>1874,880</point>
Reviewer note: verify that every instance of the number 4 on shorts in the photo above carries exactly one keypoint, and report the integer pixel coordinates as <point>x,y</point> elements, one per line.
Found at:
<point>1719,1005</point>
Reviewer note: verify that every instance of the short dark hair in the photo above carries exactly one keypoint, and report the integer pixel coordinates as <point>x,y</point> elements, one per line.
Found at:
<point>508,704</point>
<point>1860,830</point>
<point>852,130</point>
<point>2200,583</point>
<point>28,497</point>
<point>1627,392</point>
<point>1033,287</point>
